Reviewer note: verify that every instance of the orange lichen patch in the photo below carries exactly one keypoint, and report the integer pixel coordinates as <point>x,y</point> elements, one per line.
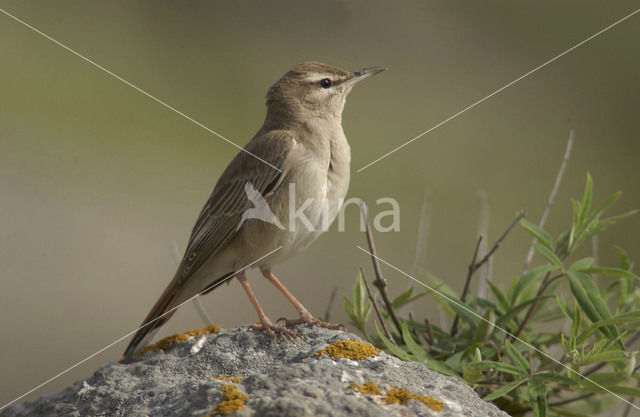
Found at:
<point>167,342</point>
<point>368,388</point>
<point>234,379</point>
<point>232,400</point>
<point>350,349</point>
<point>398,395</point>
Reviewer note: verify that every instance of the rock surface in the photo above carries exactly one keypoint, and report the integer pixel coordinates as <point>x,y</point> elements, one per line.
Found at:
<point>281,378</point>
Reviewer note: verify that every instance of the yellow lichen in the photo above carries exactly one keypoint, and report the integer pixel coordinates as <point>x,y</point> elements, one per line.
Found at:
<point>399,395</point>
<point>232,400</point>
<point>167,342</point>
<point>350,349</point>
<point>234,379</point>
<point>368,388</point>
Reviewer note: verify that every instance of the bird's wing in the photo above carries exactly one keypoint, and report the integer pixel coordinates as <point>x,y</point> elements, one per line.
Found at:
<point>221,215</point>
<point>219,220</point>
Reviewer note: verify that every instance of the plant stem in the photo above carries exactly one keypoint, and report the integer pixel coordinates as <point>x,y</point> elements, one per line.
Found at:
<point>554,190</point>
<point>375,306</point>
<point>473,266</point>
<point>545,284</point>
<point>379,282</point>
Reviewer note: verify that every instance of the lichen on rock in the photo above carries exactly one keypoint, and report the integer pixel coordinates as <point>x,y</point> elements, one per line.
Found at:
<point>397,395</point>
<point>232,401</point>
<point>167,342</point>
<point>349,349</point>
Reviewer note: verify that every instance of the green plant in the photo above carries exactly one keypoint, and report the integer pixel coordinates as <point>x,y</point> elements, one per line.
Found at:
<point>524,347</point>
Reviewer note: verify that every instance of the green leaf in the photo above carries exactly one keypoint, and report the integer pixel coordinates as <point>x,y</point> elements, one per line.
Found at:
<point>582,264</point>
<point>438,366</point>
<point>406,298</point>
<point>530,277</point>
<point>464,310</point>
<point>482,330</point>
<point>497,292</point>
<point>548,255</point>
<point>416,350</point>
<point>563,307</point>
<point>574,224</point>
<point>597,225</point>
<point>556,378</point>
<point>517,358</point>
<point>585,206</point>
<point>538,394</point>
<point>606,356</point>
<point>630,317</point>
<point>590,300</point>
<point>606,205</point>
<point>625,390</point>
<point>394,349</point>
<point>625,263</point>
<point>487,366</point>
<point>575,326</point>
<point>505,389</point>
<point>456,361</point>
<point>348,308</point>
<point>605,379</point>
<point>540,235</point>
<point>442,288</point>
<point>610,272</point>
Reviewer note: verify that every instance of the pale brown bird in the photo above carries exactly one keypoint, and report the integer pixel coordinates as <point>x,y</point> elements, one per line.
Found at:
<point>299,161</point>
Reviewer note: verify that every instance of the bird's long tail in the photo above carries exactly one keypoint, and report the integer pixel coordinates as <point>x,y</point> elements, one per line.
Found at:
<point>172,297</point>
<point>157,317</point>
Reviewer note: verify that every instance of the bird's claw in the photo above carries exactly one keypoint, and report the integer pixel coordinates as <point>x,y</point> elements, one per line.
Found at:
<point>273,331</point>
<point>310,321</point>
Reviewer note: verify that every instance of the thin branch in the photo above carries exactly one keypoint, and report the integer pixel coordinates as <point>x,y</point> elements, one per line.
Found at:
<point>379,282</point>
<point>545,214</point>
<point>495,246</point>
<point>375,307</point>
<point>471,269</point>
<point>429,334</point>
<point>545,284</point>
<point>482,289</point>
<point>465,290</point>
<point>474,265</point>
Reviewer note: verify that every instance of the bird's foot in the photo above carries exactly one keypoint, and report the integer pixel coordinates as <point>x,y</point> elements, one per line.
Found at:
<point>273,331</point>
<point>311,321</point>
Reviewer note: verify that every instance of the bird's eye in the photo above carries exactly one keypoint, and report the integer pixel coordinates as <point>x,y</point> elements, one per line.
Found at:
<point>325,83</point>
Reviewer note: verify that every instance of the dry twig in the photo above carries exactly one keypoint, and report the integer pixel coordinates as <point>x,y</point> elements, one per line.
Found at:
<point>545,214</point>
<point>379,282</point>
<point>375,306</point>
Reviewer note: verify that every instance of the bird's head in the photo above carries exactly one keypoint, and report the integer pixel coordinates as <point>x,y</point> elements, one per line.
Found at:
<point>313,90</point>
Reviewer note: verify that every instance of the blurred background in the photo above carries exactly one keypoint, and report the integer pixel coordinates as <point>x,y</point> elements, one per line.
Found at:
<point>98,182</point>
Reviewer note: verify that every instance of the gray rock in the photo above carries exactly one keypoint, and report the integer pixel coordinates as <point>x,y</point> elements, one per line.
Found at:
<point>282,378</point>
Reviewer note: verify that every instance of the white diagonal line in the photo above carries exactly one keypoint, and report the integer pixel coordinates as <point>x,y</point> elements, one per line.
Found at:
<point>497,91</point>
<point>135,330</point>
<point>140,90</point>
<point>495,326</point>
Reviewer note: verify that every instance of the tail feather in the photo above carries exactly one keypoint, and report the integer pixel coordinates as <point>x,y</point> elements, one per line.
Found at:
<point>158,316</point>
<point>175,294</point>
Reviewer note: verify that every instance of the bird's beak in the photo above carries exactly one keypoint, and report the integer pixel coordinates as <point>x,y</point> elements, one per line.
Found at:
<point>364,73</point>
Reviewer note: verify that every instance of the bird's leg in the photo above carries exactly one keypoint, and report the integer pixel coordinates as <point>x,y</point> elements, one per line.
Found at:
<point>266,324</point>
<point>305,316</point>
